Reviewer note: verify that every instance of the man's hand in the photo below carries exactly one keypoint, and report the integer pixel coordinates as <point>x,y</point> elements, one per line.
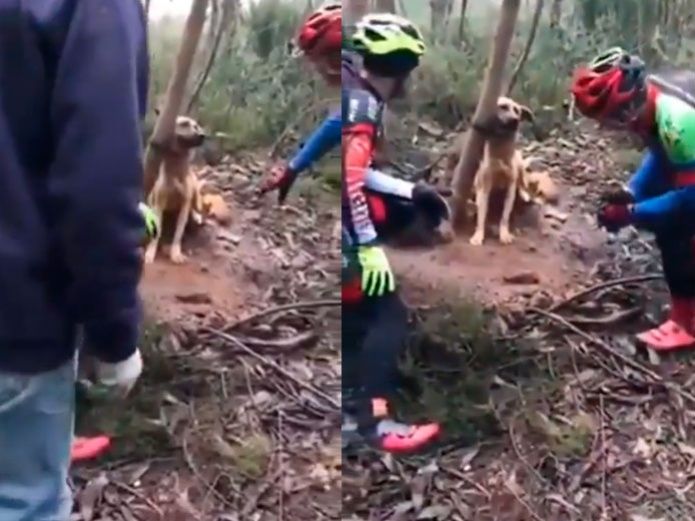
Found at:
<point>377,277</point>
<point>120,376</point>
<point>427,198</point>
<point>280,178</point>
<point>613,217</point>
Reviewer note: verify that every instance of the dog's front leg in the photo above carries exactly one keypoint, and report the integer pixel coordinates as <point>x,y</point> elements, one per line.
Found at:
<point>482,198</point>
<point>506,236</point>
<point>176,256</point>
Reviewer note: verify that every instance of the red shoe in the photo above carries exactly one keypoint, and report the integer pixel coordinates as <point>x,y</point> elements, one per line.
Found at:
<point>678,332</point>
<point>84,449</point>
<point>399,438</point>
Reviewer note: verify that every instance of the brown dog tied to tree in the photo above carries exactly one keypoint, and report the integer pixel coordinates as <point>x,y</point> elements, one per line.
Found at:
<point>502,167</point>
<point>177,188</point>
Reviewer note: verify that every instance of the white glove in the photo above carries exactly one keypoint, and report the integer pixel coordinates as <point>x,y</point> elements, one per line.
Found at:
<point>120,376</point>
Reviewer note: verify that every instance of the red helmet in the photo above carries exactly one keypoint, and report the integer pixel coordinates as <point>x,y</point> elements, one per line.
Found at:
<point>322,33</point>
<point>612,86</point>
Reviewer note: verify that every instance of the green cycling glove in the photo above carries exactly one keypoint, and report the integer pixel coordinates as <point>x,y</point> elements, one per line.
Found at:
<point>151,222</point>
<point>377,277</point>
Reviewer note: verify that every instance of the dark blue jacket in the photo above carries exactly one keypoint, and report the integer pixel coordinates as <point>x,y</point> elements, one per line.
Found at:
<point>73,89</point>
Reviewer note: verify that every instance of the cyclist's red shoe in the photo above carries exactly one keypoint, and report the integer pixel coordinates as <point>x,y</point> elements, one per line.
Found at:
<point>678,332</point>
<point>400,438</point>
<point>396,437</point>
<point>84,449</point>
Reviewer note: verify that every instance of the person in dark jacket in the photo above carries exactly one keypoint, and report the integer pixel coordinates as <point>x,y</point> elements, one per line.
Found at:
<point>73,76</point>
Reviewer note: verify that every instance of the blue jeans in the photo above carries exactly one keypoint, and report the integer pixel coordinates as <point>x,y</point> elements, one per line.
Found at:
<point>36,428</point>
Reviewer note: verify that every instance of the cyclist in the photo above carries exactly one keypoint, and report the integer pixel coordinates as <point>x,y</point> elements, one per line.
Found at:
<point>393,202</point>
<point>374,319</point>
<point>616,90</point>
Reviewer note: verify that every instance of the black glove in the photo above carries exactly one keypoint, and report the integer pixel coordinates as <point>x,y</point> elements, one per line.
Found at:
<point>434,205</point>
<point>281,178</point>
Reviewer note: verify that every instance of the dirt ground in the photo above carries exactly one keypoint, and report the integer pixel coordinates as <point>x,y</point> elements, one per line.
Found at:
<point>523,352</point>
<point>525,355</point>
<point>236,418</point>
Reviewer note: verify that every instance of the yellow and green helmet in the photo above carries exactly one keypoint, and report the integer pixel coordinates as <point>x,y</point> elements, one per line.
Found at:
<point>382,34</point>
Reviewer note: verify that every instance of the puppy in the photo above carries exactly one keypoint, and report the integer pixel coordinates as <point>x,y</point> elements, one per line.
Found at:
<point>177,188</point>
<point>502,167</point>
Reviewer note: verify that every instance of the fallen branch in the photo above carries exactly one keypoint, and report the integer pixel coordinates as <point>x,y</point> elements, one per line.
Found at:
<point>604,285</point>
<point>523,503</point>
<point>657,379</point>
<point>607,320</point>
<point>284,307</point>
<point>598,342</point>
<point>274,365</point>
<point>130,490</point>
<point>283,344</point>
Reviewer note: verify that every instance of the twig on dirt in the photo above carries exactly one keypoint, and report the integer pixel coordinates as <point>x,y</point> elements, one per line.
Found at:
<point>281,491</point>
<point>608,284</point>
<point>604,453</point>
<point>256,496</point>
<point>522,459</point>
<point>460,475</point>
<point>523,503</point>
<point>199,475</point>
<point>284,307</point>
<point>139,495</point>
<point>274,365</point>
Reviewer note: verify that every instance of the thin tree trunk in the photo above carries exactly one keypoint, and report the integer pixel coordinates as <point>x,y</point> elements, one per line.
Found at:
<point>166,122</point>
<point>386,6</point>
<point>437,18</point>
<point>227,16</point>
<point>308,9</point>
<point>527,49</point>
<point>213,24</point>
<point>555,14</point>
<point>473,147</point>
<point>462,20</point>
<point>403,10</point>
<point>354,10</point>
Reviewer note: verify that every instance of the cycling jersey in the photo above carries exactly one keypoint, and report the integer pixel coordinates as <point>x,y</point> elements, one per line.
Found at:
<point>362,114</point>
<point>664,185</point>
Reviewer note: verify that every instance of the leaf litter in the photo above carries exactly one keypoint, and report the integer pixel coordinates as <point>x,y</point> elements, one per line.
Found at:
<point>608,434</point>
<point>247,409</point>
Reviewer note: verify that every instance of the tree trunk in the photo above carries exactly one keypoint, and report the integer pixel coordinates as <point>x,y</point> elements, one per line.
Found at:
<point>527,49</point>
<point>473,147</point>
<point>213,24</point>
<point>437,18</point>
<point>402,8</point>
<point>308,9</point>
<point>462,20</point>
<point>386,6</point>
<point>166,122</point>
<point>354,10</point>
<point>556,14</point>
<point>226,19</point>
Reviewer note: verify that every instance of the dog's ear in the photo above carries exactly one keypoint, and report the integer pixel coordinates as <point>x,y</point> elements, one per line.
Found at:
<point>526,113</point>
